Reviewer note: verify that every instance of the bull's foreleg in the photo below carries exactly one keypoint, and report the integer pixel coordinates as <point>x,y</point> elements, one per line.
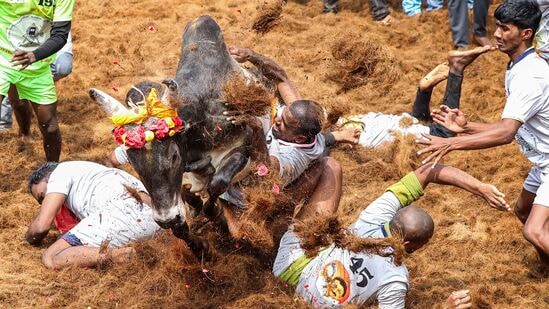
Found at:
<point>233,163</point>
<point>197,245</point>
<point>194,201</point>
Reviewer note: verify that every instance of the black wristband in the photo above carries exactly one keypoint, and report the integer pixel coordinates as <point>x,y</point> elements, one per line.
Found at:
<point>58,38</point>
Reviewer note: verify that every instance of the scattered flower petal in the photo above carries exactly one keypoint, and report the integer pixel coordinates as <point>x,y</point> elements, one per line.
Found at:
<point>204,270</point>
<point>114,87</point>
<point>187,286</point>
<point>276,189</point>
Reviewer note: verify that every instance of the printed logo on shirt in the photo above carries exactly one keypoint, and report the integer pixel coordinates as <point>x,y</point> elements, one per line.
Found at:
<point>527,143</point>
<point>334,283</point>
<point>29,32</point>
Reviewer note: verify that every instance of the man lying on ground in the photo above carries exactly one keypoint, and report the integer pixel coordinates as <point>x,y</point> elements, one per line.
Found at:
<point>525,118</point>
<point>378,128</point>
<point>112,208</point>
<point>337,276</point>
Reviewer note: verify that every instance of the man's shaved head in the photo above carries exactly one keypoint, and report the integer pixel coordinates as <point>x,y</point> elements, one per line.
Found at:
<point>415,226</point>
<point>309,114</point>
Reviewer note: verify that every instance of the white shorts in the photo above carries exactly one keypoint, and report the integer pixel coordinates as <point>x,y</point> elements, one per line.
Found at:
<point>537,182</point>
<point>289,251</point>
<point>120,221</point>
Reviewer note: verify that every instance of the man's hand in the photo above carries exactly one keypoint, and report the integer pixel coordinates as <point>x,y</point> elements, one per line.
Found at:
<point>240,54</point>
<point>437,146</point>
<point>237,117</point>
<point>347,135</point>
<point>494,197</point>
<point>458,300</point>
<point>451,118</point>
<point>23,59</point>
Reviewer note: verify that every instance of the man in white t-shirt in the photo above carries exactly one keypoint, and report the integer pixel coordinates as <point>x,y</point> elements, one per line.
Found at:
<point>110,206</point>
<point>336,276</point>
<point>542,34</point>
<point>525,118</point>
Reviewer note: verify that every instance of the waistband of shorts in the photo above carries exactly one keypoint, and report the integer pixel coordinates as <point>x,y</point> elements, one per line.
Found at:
<point>292,273</point>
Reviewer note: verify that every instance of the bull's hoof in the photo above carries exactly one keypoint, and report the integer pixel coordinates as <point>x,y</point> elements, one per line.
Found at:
<point>198,246</point>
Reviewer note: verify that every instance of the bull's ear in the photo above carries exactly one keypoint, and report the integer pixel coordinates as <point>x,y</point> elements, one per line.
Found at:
<point>109,104</point>
<point>170,93</point>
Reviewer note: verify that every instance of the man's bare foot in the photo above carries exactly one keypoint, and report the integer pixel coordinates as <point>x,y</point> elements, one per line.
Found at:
<point>438,74</point>
<point>483,41</point>
<point>458,59</point>
<point>344,135</point>
<point>388,20</point>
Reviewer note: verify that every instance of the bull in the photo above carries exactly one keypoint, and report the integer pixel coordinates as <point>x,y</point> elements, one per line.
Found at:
<point>210,152</point>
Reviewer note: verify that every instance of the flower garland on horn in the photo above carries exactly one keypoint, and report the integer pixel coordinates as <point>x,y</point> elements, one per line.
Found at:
<point>167,125</point>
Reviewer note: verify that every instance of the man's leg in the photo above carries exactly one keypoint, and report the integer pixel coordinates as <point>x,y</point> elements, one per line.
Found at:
<point>23,112</point>
<point>411,7</point>
<point>47,121</point>
<point>380,9</point>
<point>5,113</point>
<point>420,110</point>
<point>62,66</point>
<point>524,205</point>
<point>457,61</point>
<point>459,22</point>
<point>536,231</point>
<point>330,6</point>
<point>61,254</point>
<point>324,193</point>
<point>480,14</point>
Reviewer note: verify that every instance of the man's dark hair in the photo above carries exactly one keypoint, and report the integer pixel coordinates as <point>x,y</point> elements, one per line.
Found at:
<point>524,14</point>
<point>41,173</point>
<point>309,114</point>
<point>144,87</point>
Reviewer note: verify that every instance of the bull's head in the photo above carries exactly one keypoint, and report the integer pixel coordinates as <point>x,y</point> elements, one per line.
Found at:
<point>153,143</point>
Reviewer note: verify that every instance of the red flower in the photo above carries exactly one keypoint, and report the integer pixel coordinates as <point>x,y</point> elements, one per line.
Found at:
<point>161,128</point>
<point>118,132</point>
<point>262,170</point>
<point>178,123</point>
<point>136,138</point>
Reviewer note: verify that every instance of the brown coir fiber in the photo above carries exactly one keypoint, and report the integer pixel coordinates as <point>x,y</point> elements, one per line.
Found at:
<point>250,98</point>
<point>329,230</point>
<point>268,15</point>
<point>362,59</point>
<point>474,246</point>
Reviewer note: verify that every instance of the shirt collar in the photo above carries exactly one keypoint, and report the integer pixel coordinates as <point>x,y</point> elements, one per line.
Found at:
<point>522,56</point>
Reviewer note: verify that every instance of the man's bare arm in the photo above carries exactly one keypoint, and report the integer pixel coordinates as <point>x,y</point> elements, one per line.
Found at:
<point>500,134</point>
<point>272,70</point>
<point>447,175</point>
<point>40,225</point>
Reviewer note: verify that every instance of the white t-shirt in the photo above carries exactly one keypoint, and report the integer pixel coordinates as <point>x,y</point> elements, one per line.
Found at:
<point>88,186</point>
<point>527,89</point>
<point>294,158</point>
<point>378,128</point>
<point>338,277</point>
<point>542,34</point>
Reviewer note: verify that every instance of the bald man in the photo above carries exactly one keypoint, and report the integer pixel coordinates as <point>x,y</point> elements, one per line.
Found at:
<point>336,277</point>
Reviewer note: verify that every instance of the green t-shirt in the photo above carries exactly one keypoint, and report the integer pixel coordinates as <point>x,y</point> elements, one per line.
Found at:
<point>26,24</point>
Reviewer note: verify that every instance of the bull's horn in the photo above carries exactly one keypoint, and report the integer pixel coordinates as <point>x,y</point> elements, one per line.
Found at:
<point>109,104</point>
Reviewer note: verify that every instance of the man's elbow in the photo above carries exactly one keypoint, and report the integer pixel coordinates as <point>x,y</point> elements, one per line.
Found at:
<point>508,137</point>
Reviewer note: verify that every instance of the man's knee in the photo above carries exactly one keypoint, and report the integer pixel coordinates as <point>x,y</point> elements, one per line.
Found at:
<point>532,232</point>
<point>47,259</point>
<point>332,165</point>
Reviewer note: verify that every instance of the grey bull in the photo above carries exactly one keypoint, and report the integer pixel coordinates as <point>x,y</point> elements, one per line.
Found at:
<point>211,151</point>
